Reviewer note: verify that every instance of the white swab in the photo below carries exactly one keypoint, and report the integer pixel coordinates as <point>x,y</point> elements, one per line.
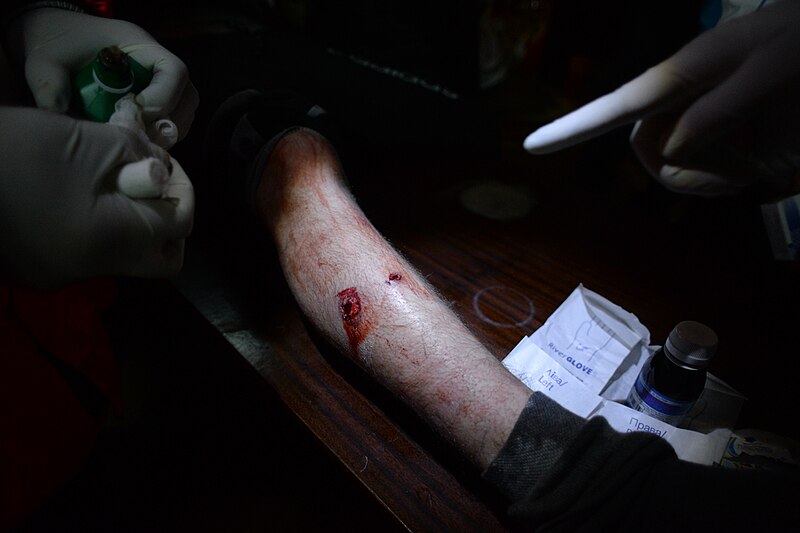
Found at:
<point>144,179</point>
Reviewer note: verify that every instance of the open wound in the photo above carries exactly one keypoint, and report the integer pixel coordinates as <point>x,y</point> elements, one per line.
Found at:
<point>351,310</point>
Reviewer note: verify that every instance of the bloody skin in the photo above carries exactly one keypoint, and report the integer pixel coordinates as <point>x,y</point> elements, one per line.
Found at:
<point>355,326</point>
<point>420,351</point>
<point>350,309</point>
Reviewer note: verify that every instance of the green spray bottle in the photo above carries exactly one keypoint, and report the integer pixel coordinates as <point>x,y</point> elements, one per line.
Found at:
<point>110,76</point>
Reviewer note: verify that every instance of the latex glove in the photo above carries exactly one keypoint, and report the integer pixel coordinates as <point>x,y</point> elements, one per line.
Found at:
<point>719,115</point>
<point>54,44</point>
<point>62,215</point>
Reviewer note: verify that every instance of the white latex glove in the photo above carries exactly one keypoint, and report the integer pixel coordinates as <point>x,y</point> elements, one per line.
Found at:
<point>55,44</point>
<point>719,115</point>
<point>62,215</point>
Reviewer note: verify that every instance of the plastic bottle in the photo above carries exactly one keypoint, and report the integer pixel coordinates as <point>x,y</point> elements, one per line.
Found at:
<point>109,77</point>
<point>672,380</point>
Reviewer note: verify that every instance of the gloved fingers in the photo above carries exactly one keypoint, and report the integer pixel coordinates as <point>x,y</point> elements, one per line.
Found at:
<point>165,132</point>
<point>180,192</point>
<point>183,113</point>
<point>49,82</point>
<point>137,146</point>
<point>767,35</point>
<point>698,182</point>
<point>777,158</point>
<point>147,178</point>
<point>167,261</point>
<point>718,171</point>
<point>171,220</point>
<point>132,241</point>
<point>647,138</point>
<point>171,217</point>
<point>661,87</point>
<point>765,150</point>
<point>162,252</point>
<point>170,78</point>
<point>712,55</point>
<point>752,61</point>
<point>145,237</point>
<point>722,110</point>
<point>161,260</point>
<point>701,63</point>
<point>128,114</point>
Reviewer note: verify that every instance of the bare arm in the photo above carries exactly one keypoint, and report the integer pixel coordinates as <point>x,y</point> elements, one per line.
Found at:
<point>371,303</point>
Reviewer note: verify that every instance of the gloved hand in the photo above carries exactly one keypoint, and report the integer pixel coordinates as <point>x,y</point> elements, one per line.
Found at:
<point>62,215</point>
<point>54,44</point>
<point>719,115</point>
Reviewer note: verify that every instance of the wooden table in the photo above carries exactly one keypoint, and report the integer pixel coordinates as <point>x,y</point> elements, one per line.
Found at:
<point>592,217</point>
<point>586,215</point>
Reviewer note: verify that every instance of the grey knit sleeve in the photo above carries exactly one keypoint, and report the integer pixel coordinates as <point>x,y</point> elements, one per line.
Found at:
<point>557,467</point>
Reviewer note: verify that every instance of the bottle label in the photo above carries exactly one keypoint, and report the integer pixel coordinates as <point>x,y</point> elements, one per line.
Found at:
<point>649,401</point>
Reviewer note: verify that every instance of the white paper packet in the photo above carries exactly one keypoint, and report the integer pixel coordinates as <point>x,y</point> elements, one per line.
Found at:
<point>588,332</point>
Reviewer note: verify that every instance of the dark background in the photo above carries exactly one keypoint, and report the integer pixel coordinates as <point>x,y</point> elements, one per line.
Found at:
<point>209,447</point>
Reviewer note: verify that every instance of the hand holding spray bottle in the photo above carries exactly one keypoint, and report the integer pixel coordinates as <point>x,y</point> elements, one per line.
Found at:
<point>104,91</point>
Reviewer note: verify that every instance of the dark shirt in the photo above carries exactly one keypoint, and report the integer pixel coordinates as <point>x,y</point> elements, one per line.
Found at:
<point>564,473</point>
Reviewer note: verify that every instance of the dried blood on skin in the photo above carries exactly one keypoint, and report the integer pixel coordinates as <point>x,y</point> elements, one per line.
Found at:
<point>349,304</point>
<point>409,283</point>
<point>351,309</point>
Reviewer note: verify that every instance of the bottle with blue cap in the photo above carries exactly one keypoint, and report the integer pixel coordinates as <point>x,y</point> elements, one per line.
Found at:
<point>672,380</point>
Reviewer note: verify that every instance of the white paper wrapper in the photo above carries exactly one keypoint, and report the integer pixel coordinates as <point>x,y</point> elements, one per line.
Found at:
<point>587,356</point>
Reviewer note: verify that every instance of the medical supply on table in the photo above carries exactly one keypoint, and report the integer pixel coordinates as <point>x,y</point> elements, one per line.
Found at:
<point>672,380</point>
<point>588,331</point>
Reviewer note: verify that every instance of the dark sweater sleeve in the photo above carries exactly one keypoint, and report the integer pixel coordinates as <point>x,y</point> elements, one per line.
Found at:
<point>561,472</point>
